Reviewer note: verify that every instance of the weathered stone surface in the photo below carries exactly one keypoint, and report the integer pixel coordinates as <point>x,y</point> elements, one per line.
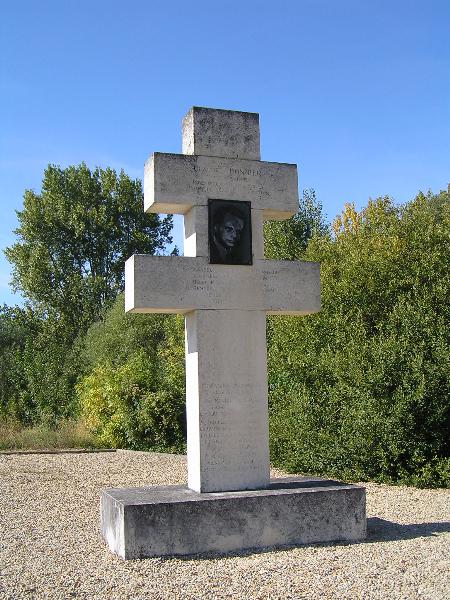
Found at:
<point>230,503</point>
<point>174,520</point>
<point>173,183</point>
<point>217,132</point>
<point>178,284</point>
<point>226,400</point>
<point>224,304</point>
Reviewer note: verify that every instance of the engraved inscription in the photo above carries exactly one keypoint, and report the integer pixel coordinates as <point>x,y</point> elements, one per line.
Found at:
<point>243,174</point>
<point>190,283</point>
<point>177,179</point>
<point>231,427</point>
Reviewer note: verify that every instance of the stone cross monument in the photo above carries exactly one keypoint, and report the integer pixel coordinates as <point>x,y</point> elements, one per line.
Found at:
<point>225,304</point>
<point>225,287</point>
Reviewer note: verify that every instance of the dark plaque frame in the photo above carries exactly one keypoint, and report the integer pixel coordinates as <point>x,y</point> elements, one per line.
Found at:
<point>232,246</point>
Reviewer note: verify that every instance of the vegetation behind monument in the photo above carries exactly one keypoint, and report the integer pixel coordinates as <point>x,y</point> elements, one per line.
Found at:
<point>133,393</point>
<point>359,390</point>
<point>67,262</point>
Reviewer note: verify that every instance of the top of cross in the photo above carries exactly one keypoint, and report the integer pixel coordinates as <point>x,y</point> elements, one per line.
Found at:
<point>220,160</point>
<point>223,133</point>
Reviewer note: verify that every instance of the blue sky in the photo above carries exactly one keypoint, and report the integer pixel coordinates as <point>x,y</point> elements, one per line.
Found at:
<point>356,92</point>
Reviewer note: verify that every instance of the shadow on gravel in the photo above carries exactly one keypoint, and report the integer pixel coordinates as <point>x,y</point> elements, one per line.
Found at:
<point>379,530</point>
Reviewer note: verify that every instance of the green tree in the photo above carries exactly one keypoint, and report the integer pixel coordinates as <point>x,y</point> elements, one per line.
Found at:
<point>361,389</point>
<point>74,238</point>
<point>39,367</point>
<point>287,240</point>
<point>16,326</point>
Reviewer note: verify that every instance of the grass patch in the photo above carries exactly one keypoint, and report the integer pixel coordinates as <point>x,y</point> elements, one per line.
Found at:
<point>67,434</point>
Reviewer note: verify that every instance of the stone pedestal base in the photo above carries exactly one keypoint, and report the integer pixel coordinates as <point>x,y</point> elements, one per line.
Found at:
<point>174,520</point>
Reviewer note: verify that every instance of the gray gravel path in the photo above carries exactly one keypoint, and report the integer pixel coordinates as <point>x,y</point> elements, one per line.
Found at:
<point>50,546</point>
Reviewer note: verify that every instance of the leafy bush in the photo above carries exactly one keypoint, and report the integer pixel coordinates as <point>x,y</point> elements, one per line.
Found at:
<point>133,393</point>
<point>39,368</point>
<point>361,389</point>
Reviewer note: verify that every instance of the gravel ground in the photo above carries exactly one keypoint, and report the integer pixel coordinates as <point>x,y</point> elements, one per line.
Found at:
<point>50,545</point>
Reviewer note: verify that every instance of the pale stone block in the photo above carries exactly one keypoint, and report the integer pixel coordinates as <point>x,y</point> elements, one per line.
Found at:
<point>174,520</point>
<point>156,182</point>
<point>257,234</point>
<point>130,291</point>
<point>226,400</point>
<point>217,132</point>
<point>196,232</point>
<point>177,284</point>
<point>173,183</point>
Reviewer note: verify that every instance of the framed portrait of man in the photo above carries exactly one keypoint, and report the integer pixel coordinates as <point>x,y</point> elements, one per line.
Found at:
<point>230,232</point>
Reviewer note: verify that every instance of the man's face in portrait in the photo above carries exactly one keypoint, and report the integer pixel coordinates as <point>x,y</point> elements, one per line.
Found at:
<point>230,230</point>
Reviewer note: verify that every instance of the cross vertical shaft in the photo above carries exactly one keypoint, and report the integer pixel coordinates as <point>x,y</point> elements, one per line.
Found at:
<point>226,361</point>
<point>226,400</point>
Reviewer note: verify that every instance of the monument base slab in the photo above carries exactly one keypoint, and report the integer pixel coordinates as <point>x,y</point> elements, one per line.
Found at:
<point>175,520</point>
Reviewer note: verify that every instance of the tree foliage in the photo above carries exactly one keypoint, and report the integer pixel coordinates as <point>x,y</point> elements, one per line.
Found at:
<point>16,327</point>
<point>68,262</point>
<point>74,237</point>
<point>39,368</point>
<point>287,240</point>
<point>132,395</point>
<point>361,389</point>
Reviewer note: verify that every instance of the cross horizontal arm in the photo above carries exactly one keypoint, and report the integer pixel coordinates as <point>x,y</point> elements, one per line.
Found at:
<point>177,284</point>
<point>173,183</point>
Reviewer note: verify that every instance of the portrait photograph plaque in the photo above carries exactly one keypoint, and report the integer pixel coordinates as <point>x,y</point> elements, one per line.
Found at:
<point>229,232</point>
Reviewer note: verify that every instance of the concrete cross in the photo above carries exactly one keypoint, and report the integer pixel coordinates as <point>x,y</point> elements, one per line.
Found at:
<point>225,305</point>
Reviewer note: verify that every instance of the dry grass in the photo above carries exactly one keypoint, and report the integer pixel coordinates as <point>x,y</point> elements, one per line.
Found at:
<point>67,434</point>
